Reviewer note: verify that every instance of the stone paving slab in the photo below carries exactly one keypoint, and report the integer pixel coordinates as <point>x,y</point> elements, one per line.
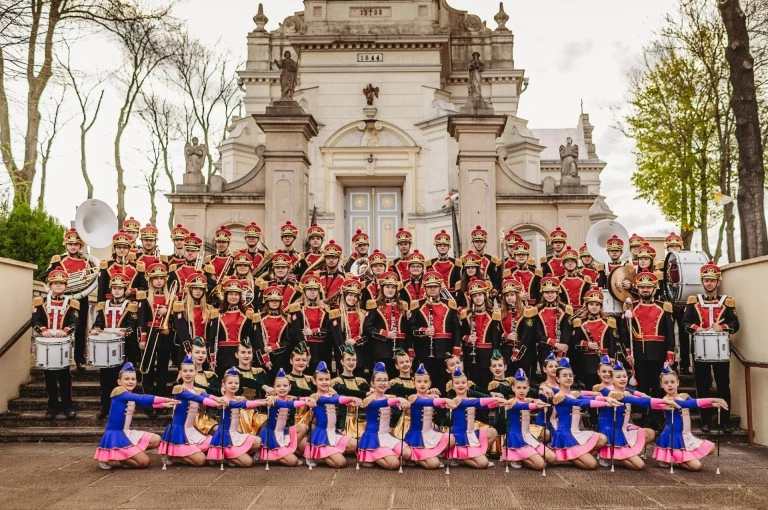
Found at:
<point>64,476</point>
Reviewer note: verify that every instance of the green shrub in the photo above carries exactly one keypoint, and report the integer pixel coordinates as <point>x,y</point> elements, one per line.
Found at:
<point>29,235</point>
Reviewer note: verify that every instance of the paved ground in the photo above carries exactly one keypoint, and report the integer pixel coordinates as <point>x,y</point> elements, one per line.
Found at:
<point>63,476</point>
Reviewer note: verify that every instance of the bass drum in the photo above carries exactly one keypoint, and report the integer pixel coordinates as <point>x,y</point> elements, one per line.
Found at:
<point>681,275</point>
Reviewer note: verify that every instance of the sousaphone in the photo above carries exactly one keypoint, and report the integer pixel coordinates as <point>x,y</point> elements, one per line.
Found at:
<point>96,223</point>
<point>597,237</point>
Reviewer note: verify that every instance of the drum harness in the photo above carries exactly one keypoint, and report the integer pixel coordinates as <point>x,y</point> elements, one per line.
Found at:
<point>711,307</point>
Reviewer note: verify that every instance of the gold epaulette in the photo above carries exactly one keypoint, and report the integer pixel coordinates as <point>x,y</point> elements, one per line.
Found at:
<point>255,317</point>
<point>74,303</point>
<point>117,391</point>
<point>576,394</point>
<point>659,265</point>
<point>208,268</point>
<point>496,315</point>
<point>334,314</point>
<point>55,259</point>
<point>576,323</point>
<point>692,300</point>
<point>530,311</point>
<point>493,385</point>
<point>587,278</point>
<point>730,302</point>
<point>172,268</point>
<point>367,400</point>
<point>415,305</point>
<point>141,295</point>
<point>557,399</point>
<point>261,283</point>
<point>496,260</point>
<point>404,306</point>
<point>458,263</point>
<point>209,373</point>
<point>506,274</point>
<point>370,304</point>
<point>600,267</point>
<point>667,306</point>
<point>178,306</point>
<point>618,395</point>
<point>132,257</point>
<point>240,399</point>
<point>448,386</point>
<point>103,264</point>
<point>659,275</point>
<point>428,263</point>
<point>683,396</point>
<point>452,304</point>
<point>538,273</point>
<point>164,259</point>
<point>213,314</point>
<point>207,259</point>
<point>132,307</point>
<point>177,389</point>
<point>360,380</point>
<point>337,380</point>
<point>140,266</point>
<point>611,322</point>
<point>100,306</point>
<point>249,315</point>
<point>569,309</point>
<point>543,260</point>
<point>597,388</point>
<point>293,308</point>
<point>463,315</point>
<point>38,301</point>
<point>531,261</point>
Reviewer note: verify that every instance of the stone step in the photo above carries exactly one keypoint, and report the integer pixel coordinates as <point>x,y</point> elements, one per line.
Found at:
<point>79,389</point>
<point>85,418</point>
<point>90,435</point>
<point>90,374</point>
<point>41,404</point>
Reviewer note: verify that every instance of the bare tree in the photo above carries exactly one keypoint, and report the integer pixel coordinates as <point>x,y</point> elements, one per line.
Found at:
<point>88,112</point>
<point>151,179</point>
<point>207,78</point>
<point>46,144</point>
<point>28,32</point>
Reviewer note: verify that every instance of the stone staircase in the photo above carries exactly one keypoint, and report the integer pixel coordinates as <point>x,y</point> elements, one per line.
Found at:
<point>24,420</point>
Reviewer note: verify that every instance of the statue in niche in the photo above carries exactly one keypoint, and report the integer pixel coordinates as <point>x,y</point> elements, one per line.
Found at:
<point>476,70</point>
<point>370,92</point>
<point>569,154</point>
<point>288,70</point>
<point>194,155</point>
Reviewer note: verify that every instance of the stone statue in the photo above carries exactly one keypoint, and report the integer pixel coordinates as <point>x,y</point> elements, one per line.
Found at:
<point>476,70</point>
<point>370,92</point>
<point>289,68</point>
<point>194,155</point>
<point>569,153</point>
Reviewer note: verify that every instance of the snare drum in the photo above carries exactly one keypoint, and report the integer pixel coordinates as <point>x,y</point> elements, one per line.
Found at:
<point>105,349</point>
<point>711,346</point>
<point>53,353</point>
<point>611,305</point>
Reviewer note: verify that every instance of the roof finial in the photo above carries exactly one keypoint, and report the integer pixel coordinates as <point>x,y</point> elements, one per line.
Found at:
<point>501,18</point>
<point>260,19</point>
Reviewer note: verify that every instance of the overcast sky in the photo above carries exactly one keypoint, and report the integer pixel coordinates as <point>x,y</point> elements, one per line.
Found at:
<point>570,50</point>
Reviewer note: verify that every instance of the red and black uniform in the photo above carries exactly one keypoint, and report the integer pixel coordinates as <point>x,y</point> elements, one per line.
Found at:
<point>158,340</point>
<point>273,329</point>
<point>491,267</point>
<point>400,266</point>
<point>318,319</point>
<point>257,257</point>
<point>111,315</point>
<point>148,260</point>
<point>288,289</point>
<point>531,280</point>
<point>552,325</point>
<point>177,259</point>
<point>354,321</point>
<point>572,289</point>
<point>351,260</point>
<point>552,266</point>
<point>57,313</point>
<point>182,274</point>
<point>219,263</point>
<point>487,326</point>
<point>703,312</point>
<point>109,268</point>
<point>381,319</point>
<point>443,316</point>
<point>370,292</point>
<point>187,330</point>
<point>413,290</point>
<point>519,323</point>
<point>331,283</point>
<point>602,331</point>
<point>596,274</point>
<point>306,260</point>
<point>225,330</point>
<point>450,269</point>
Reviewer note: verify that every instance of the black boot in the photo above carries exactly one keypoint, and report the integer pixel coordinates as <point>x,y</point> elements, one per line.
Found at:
<point>50,415</point>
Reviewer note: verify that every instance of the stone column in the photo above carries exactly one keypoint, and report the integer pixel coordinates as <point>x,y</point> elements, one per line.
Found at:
<point>288,131</point>
<point>476,135</point>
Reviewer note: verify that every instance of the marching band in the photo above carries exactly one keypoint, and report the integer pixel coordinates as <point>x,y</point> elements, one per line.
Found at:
<point>306,358</point>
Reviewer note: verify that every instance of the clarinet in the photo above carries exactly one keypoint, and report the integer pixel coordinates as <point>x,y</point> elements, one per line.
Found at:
<point>473,331</point>
<point>393,327</point>
<point>431,324</point>
<point>557,330</point>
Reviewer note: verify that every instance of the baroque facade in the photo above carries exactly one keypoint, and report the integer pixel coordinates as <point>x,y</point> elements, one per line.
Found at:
<point>381,81</point>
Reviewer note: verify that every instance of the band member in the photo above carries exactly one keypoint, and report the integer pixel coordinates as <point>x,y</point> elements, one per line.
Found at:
<point>311,260</point>
<point>192,313</point>
<point>242,263</point>
<point>426,442</point>
<point>361,242</point>
<point>349,330</point>
<point>75,263</point>
<point>227,328</point>
<point>149,254</point>
<point>448,267</point>
<point>518,344</point>
<point>471,270</point>
<point>378,265</point>
<point>481,332</point>
<point>400,264</point>
<point>712,312</point>
<point>552,265</point>
<point>252,235</point>
<point>178,234</point>
<point>193,264</point>
<point>572,285</point>
<point>526,274</point>
<point>351,418</point>
<point>520,446</point>
<point>635,242</point>
<point>490,266</point>
<point>326,443</point>
<point>511,238</point>
<point>413,288</point>
<point>156,336</point>
<point>131,226</point>
<point>302,385</point>
<point>652,333</point>
<point>221,261</point>
<point>387,323</point>
<point>402,386</point>
<point>311,321</point>
<point>208,381</point>
<point>271,330</point>
<point>120,264</point>
<point>254,383</point>
<point>589,268</point>
<point>434,323</point>
<point>377,445</point>
<point>283,278</point>
<point>594,335</point>
<point>288,233</point>
<point>615,247</point>
<point>118,313</point>
<point>280,436</point>
<point>57,315</point>
<point>332,276</point>
<point>120,443</point>
<point>552,323</point>
<point>676,442</point>
<point>674,243</point>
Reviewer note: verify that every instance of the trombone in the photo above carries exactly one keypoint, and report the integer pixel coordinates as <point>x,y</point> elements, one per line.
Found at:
<point>144,368</point>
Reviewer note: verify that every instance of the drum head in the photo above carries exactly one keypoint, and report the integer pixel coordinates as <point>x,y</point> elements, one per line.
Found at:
<point>681,275</point>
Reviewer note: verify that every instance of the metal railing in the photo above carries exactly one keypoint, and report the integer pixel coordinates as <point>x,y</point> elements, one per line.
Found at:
<point>748,364</point>
<point>15,338</point>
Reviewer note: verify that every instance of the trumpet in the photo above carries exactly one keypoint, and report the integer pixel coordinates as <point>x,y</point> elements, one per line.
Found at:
<point>314,265</point>
<point>146,364</point>
<point>265,266</point>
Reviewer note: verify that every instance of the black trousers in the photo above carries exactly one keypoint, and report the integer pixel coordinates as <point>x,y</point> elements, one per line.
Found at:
<point>683,341</point>
<point>58,385</point>
<point>107,383</point>
<point>647,374</point>
<point>319,351</point>
<point>81,332</point>
<point>155,381</point>
<point>703,373</point>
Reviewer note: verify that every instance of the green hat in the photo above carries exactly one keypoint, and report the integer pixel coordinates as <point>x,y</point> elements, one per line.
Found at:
<point>496,354</point>
<point>199,342</point>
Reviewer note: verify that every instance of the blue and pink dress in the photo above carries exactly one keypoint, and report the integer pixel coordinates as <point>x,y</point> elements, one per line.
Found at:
<point>377,442</point>
<point>227,440</point>
<point>424,438</point>
<point>568,442</point>
<point>680,445</point>
<point>520,443</point>
<point>119,441</point>
<point>469,443</point>
<point>181,438</point>
<point>278,436</point>
<point>326,440</point>
<point>630,439</point>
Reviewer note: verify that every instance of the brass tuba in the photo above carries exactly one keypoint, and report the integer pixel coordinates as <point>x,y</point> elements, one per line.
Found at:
<point>599,234</point>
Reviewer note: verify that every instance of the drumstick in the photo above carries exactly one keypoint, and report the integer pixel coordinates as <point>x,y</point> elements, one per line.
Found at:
<point>266,468</point>
<point>719,433</point>
<point>672,449</point>
<point>357,435</point>
<point>170,436</point>
<point>613,442</point>
<point>402,443</point>
<point>450,428</point>
<point>309,460</point>
<point>223,414</point>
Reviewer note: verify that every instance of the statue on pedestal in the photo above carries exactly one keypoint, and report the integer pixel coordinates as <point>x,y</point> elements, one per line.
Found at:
<point>569,154</point>
<point>194,155</point>
<point>289,69</point>
<point>476,105</point>
<point>370,92</point>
